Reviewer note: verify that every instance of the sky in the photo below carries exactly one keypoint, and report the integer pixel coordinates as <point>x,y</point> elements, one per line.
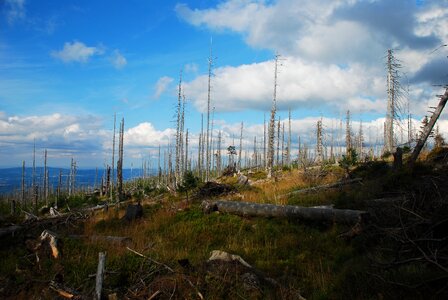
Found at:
<point>66,67</point>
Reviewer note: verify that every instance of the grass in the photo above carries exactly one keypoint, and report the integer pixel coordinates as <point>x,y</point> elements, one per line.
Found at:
<point>309,258</point>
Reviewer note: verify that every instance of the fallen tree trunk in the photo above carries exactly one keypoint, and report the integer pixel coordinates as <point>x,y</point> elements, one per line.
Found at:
<point>326,186</point>
<point>100,275</point>
<point>345,216</point>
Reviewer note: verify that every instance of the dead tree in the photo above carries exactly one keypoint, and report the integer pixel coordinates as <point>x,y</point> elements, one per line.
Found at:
<point>218,154</point>
<point>315,214</point>
<point>319,144</point>
<point>277,161</point>
<point>360,140</point>
<point>283,144</point>
<point>271,129</point>
<point>429,127</point>
<point>241,146</point>
<point>45,178</point>
<point>100,275</point>
<point>348,134</point>
<point>186,168</point>
<point>120,163</point>
<point>208,140</point>
<point>264,142</point>
<point>23,184</point>
<point>33,180</point>
<point>113,160</point>
<point>288,150</point>
<point>178,134</point>
<point>393,103</point>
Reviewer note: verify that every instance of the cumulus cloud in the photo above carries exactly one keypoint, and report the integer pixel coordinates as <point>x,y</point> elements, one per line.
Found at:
<point>335,52</point>
<point>76,52</point>
<point>162,85</point>
<point>144,134</point>
<point>300,84</point>
<point>15,10</point>
<point>118,60</point>
<point>64,135</point>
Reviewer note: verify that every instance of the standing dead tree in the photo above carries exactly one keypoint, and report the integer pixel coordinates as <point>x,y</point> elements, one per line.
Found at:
<point>23,184</point>
<point>113,160</point>
<point>241,146</point>
<point>429,127</point>
<point>319,144</point>
<point>348,134</point>
<point>393,100</point>
<point>271,128</point>
<point>208,139</point>
<point>179,138</point>
<point>120,163</point>
<point>288,150</point>
<point>45,178</point>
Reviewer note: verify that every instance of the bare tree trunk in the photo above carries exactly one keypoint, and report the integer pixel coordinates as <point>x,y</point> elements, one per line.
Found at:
<point>23,184</point>
<point>45,178</point>
<point>277,161</point>
<point>315,214</point>
<point>288,154</point>
<point>207,140</point>
<point>186,168</point>
<point>271,130</point>
<point>218,154</point>
<point>319,147</point>
<point>428,128</point>
<point>264,142</point>
<point>178,134</point>
<point>348,134</point>
<point>241,146</point>
<point>100,274</point>
<point>120,163</point>
<point>283,144</point>
<point>113,161</point>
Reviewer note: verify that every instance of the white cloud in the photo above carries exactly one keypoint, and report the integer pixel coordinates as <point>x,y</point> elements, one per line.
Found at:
<point>118,60</point>
<point>299,84</point>
<point>77,52</point>
<point>15,10</point>
<point>144,134</point>
<point>162,85</point>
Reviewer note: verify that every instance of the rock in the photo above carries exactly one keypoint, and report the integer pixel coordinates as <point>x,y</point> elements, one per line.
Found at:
<point>133,212</point>
<point>242,179</point>
<point>224,256</point>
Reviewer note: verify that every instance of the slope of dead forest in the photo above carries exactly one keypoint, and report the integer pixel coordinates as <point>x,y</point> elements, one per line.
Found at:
<point>177,251</point>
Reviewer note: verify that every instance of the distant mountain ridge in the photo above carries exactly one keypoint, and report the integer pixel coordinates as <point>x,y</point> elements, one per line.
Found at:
<point>11,178</point>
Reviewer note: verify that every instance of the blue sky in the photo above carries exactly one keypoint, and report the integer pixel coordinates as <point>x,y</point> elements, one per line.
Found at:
<point>67,66</point>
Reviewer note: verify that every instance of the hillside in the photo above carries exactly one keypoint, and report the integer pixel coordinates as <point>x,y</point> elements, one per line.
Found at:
<point>401,250</point>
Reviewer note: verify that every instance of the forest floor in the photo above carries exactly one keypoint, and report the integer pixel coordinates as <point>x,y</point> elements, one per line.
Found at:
<point>402,251</point>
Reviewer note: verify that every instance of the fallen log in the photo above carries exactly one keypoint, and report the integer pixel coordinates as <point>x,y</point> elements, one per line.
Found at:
<point>100,275</point>
<point>326,186</point>
<point>345,216</point>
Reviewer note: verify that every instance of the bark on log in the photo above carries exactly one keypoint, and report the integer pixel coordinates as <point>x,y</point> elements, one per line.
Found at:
<point>100,275</point>
<point>326,186</point>
<point>345,216</point>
